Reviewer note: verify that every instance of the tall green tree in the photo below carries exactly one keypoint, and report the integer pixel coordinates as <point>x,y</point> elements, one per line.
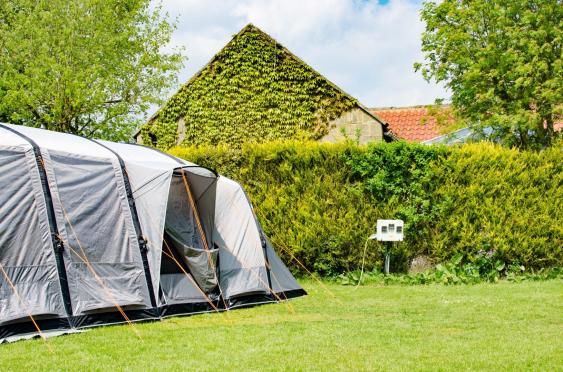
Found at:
<point>88,67</point>
<point>501,60</point>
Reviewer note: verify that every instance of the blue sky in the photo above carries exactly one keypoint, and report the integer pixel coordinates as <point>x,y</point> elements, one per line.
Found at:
<point>367,47</point>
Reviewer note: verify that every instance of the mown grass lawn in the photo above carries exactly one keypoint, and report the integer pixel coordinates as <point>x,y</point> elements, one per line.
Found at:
<point>504,326</point>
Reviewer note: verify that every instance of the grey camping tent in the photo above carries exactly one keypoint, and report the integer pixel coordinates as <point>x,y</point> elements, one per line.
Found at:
<point>95,232</point>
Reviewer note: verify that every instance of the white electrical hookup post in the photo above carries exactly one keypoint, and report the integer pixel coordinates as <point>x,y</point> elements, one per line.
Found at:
<point>388,231</point>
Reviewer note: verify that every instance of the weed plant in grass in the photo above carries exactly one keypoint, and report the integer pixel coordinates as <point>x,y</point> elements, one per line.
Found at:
<point>486,268</point>
<point>503,326</point>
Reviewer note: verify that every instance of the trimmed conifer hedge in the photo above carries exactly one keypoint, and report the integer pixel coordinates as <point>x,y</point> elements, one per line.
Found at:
<point>320,201</point>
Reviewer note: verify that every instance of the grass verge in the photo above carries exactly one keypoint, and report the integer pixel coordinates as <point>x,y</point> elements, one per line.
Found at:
<point>503,326</point>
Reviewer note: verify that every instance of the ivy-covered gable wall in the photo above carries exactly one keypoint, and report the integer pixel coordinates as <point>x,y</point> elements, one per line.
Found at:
<point>254,90</point>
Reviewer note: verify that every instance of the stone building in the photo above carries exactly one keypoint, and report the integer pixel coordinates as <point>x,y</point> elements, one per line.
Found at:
<point>255,90</point>
<point>357,124</point>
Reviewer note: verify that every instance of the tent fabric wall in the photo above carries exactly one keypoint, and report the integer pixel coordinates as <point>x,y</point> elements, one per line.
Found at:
<point>281,278</point>
<point>242,264</point>
<point>82,226</point>
<point>23,223</point>
<point>90,196</point>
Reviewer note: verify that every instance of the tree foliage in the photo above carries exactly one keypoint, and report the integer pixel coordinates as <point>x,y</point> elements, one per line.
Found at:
<point>254,90</point>
<point>88,67</point>
<point>501,60</point>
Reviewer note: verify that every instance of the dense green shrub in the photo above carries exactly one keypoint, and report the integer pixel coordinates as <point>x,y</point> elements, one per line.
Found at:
<point>504,200</point>
<point>319,202</point>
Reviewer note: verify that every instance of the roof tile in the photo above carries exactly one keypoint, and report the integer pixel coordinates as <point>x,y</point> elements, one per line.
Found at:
<point>410,123</point>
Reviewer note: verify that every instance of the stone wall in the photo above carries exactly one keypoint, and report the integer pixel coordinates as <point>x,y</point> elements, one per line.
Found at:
<point>357,124</point>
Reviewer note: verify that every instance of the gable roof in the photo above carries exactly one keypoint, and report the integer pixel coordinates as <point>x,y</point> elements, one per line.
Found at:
<point>414,124</point>
<point>218,60</point>
<point>417,124</point>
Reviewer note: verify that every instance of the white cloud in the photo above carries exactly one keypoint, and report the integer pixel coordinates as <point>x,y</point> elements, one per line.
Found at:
<point>366,48</point>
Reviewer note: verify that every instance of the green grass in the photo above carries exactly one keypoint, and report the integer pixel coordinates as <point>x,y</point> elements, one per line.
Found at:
<point>504,326</point>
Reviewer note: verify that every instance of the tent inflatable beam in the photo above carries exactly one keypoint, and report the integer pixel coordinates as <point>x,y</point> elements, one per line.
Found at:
<point>136,223</point>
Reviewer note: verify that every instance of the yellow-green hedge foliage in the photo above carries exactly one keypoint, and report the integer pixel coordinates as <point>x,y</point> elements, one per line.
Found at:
<point>321,201</point>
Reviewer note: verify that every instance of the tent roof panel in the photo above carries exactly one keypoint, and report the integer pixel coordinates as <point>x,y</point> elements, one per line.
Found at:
<point>69,143</point>
<point>148,157</point>
<point>152,158</point>
<point>145,157</point>
<point>8,138</point>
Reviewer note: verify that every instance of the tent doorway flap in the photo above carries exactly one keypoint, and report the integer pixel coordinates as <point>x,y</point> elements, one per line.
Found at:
<point>202,263</point>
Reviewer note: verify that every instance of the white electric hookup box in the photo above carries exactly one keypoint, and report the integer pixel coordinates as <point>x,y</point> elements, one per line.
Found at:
<point>389,230</point>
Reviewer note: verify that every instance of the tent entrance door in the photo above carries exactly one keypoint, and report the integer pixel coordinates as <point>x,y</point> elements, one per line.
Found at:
<point>188,263</point>
<point>176,282</point>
